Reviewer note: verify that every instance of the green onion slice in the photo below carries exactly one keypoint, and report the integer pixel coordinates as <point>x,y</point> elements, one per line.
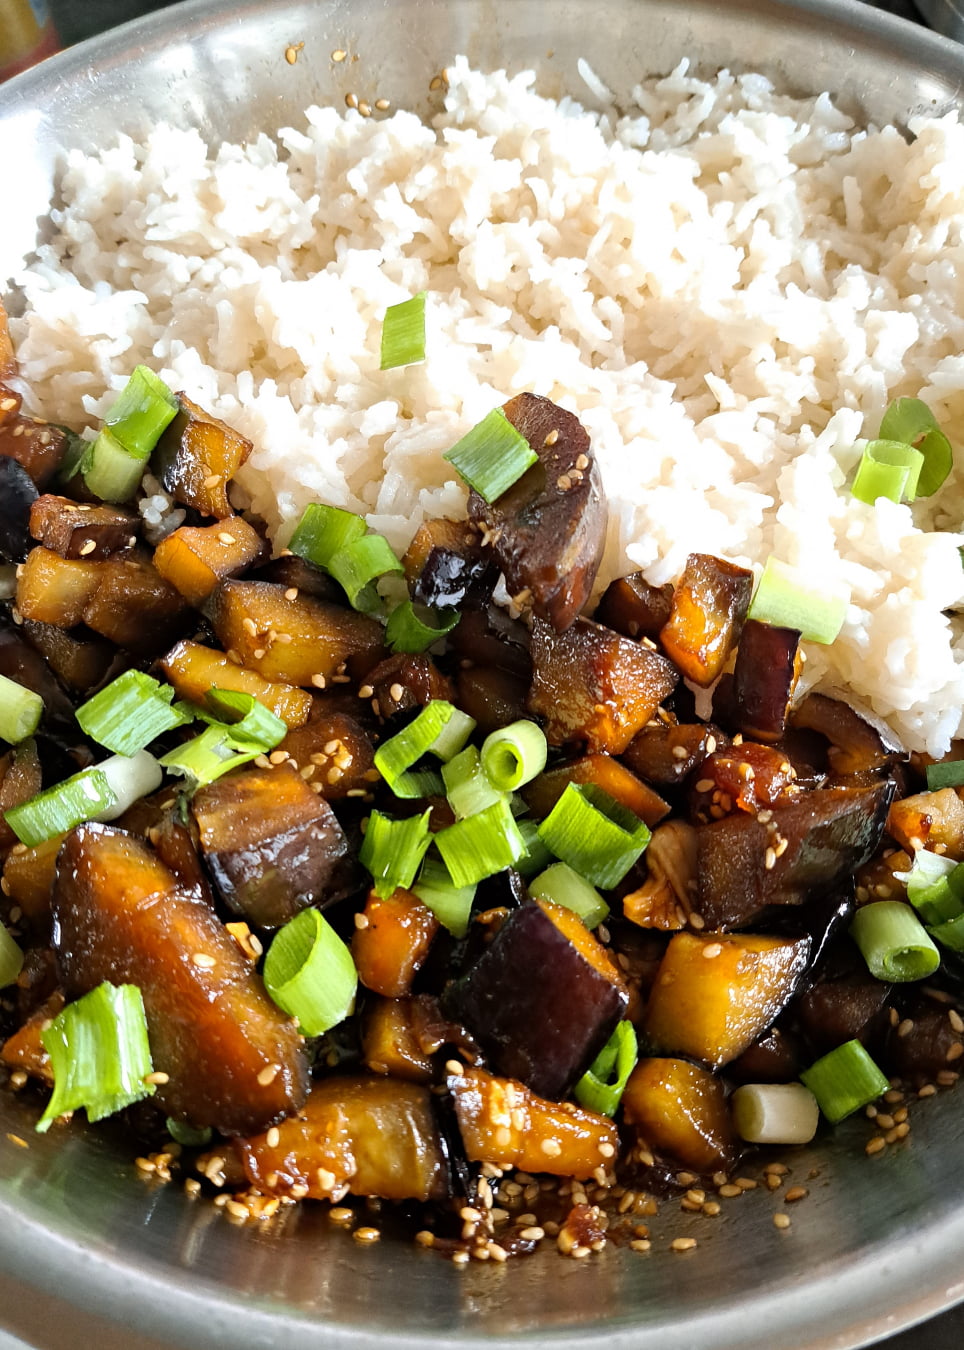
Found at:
<point>775,1113</point>
<point>440,729</point>
<point>949,773</point>
<point>893,942</point>
<point>482,845</point>
<point>602,1085</point>
<point>514,755</point>
<point>935,886</point>
<point>560,883</point>
<point>309,973</point>
<point>492,456</point>
<point>467,786</point>
<point>393,850</point>
<point>950,934</point>
<point>141,411</point>
<point>414,630</point>
<point>186,1135</point>
<point>130,712</point>
<point>82,797</point>
<point>11,958</point>
<point>451,904</point>
<point>20,711</point>
<point>786,599</point>
<point>537,857</point>
<point>325,531</point>
<point>911,421</point>
<point>403,333</point>
<point>888,469</point>
<point>597,836</point>
<point>357,567</point>
<point>209,756</point>
<point>99,1053</point>
<point>247,718</point>
<point>109,470</point>
<point>844,1081</point>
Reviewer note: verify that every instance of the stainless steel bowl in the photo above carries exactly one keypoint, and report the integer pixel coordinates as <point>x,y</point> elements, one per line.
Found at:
<point>876,1245</point>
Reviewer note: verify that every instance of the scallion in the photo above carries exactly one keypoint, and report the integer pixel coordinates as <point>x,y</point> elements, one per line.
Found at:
<point>775,1113</point>
<point>537,857</point>
<point>11,958</point>
<point>787,598</point>
<point>451,904</point>
<point>566,887</point>
<point>438,725</point>
<point>80,798</point>
<point>99,1053</point>
<point>309,973</point>
<point>325,531</point>
<point>130,712</point>
<point>20,711</point>
<point>467,786</point>
<point>935,886</point>
<point>248,719</point>
<point>948,774</point>
<point>597,836</point>
<point>492,456</point>
<point>911,421</point>
<point>403,333</point>
<point>514,755</point>
<point>892,941</point>
<point>209,756</point>
<point>113,465</point>
<point>602,1085</point>
<point>186,1135</point>
<point>411,630</point>
<point>130,777</point>
<point>888,469</point>
<point>393,850</point>
<point>950,934</point>
<point>357,567</point>
<point>844,1080</point>
<point>482,845</point>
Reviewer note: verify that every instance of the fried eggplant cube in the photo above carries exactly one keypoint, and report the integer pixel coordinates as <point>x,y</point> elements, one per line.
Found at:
<point>196,458</point>
<point>631,606</point>
<point>134,606</point>
<point>195,559</point>
<point>445,564</point>
<point>194,669</point>
<point>679,1111</point>
<point>667,752</point>
<point>768,662</point>
<point>37,446</point>
<point>391,943</point>
<point>709,606</point>
<point>51,589</point>
<point>333,753</point>
<point>856,745</point>
<point>390,1045</point>
<point>78,530</point>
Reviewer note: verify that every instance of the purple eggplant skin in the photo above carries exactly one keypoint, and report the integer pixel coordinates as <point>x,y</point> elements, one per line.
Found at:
<point>634,608</point>
<point>921,1052</point>
<point>763,679</point>
<point>20,662</point>
<point>489,637</point>
<point>290,570</point>
<point>665,754</point>
<point>452,579</point>
<point>835,1011</point>
<point>856,746</point>
<point>829,833</point>
<point>538,1008</point>
<point>774,1058</point>
<point>547,532</point>
<point>18,492</point>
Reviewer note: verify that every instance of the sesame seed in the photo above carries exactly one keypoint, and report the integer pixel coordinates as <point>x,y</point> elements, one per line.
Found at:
<point>382,103</point>
<point>351,101</point>
<point>366,691</point>
<point>397,693</point>
<point>258,653</point>
<point>796,1193</point>
<point>338,56</point>
<point>277,756</point>
<point>8,404</point>
<point>319,681</point>
<point>273,1137</point>
<point>712,949</point>
<point>291,55</point>
<point>203,960</point>
<point>268,1074</point>
<point>361,921</point>
<point>711,1208</point>
<point>729,1191</point>
<point>15,1139</point>
<point>365,108</point>
<point>17,1079</point>
<point>142,1164</point>
<point>326,1180</point>
<point>563,482</point>
<point>705,785</point>
<point>341,1214</point>
<point>928,1090</point>
<point>905,1027</point>
<point>424,1238</point>
<point>682,1244</point>
<point>88,547</point>
<point>680,752</point>
<point>552,437</point>
<point>158,1078</point>
<point>781,1221</point>
<point>770,859</point>
<point>225,538</point>
<point>606,1150</point>
<point>640,1245</point>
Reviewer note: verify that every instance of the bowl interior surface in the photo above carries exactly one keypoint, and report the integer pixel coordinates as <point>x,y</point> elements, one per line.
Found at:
<point>875,1245</point>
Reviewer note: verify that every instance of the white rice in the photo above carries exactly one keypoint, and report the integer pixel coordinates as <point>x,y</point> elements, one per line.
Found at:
<point>727,286</point>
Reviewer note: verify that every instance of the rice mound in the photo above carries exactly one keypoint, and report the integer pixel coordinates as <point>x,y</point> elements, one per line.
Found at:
<point>726,285</point>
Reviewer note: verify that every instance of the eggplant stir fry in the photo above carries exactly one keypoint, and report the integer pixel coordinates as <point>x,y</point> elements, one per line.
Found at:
<point>320,895</point>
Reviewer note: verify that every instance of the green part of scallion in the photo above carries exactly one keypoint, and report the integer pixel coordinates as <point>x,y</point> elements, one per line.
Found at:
<point>247,719</point>
<point>844,1080</point>
<point>11,958</point>
<point>537,857</point>
<point>439,725</point>
<point>787,599</point>
<point>893,942</point>
<point>467,786</point>
<point>597,836</point>
<point>109,470</point>
<point>186,1135</point>
<point>73,456</point>
<point>20,711</point>
<point>888,469</point>
<point>514,755</point>
<point>566,887</point>
<point>82,797</point>
<point>949,774</point>
<point>357,568</point>
<point>141,411</point>
<point>482,845</point>
<point>324,531</point>
<point>451,904</point>
<point>209,756</point>
<point>309,973</point>
<point>393,850</point>
<point>410,630</point>
<point>935,886</point>
<point>130,712</point>
<point>602,1085</point>
<point>403,333</point>
<point>950,934</point>
<point>99,1053</point>
<point>911,421</point>
<point>492,456</point>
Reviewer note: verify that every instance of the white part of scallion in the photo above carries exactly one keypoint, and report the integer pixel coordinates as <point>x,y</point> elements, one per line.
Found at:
<point>130,777</point>
<point>20,711</point>
<point>775,1113</point>
<point>309,973</point>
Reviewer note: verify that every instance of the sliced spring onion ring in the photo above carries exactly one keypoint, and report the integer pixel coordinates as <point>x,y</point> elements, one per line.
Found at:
<point>484,844</point>
<point>892,941</point>
<point>358,566</point>
<point>514,755</point>
<point>596,835</point>
<point>492,456</point>
<point>11,958</point>
<point>844,1080</point>
<point>130,777</point>
<point>248,719</point>
<point>911,421</point>
<point>82,797</point>
<point>935,886</point>
<point>537,857</point>
<point>560,883</point>
<point>186,1135</point>
<point>403,333</point>
<point>130,712</point>
<point>451,904</point>
<point>775,1113</point>
<point>439,725</point>
<point>787,599</point>
<point>99,1054</point>
<point>414,630</point>
<point>467,786</point>
<point>948,774</point>
<point>888,469</point>
<point>393,850</point>
<point>950,934</point>
<point>209,756</point>
<point>309,973</point>
<point>141,411</point>
<point>602,1085</point>
<point>324,531</point>
<point>20,711</point>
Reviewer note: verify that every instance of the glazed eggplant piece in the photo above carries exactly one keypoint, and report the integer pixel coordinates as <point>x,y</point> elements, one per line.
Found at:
<point>634,608</point>
<point>390,1045</point>
<point>79,530</point>
<point>593,686</point>
<point>495,698</point>
<point>135,607</point>
<point>367,1136</point>
<point>174,838</point>
<point>234,1061</point>
<point>195,559</point>
<point>764,676</point>
<point>391,941</point>
<point>194,669</point>
<point>931,820</point>
<point>856,745</point>
<point>709,606</point>
<point>29,875</point>
<point>668,752</point>
<point>842,1009</point>
<point>37,446</point>
<point>20,779</point>
<point>273,847</point>
<point>55,590</point>
<point>20,662</point>
<point>679,1110</point>
<point>404,683</point>
<point>196,458</point>
<point>607,774</point>
<point>492,639</point>
<point>18,492</point>
<point>745,865</point>
<point>548,531</point>
<point>81,659</point>
<point>333,753</point>
<point>542,999</point>
<point>446,566</point>
<point>745,777</point>
<point>774,1058</point>
<point>297,574</point>
<point>924,1042</point>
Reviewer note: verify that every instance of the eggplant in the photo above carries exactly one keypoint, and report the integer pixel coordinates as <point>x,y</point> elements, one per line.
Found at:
<point>542,999</point>
<point>631,606</point>
<point>606,773</point>
<point>834,1011</point>
<point>234,1061</point>
<point>768,662</point>
<point>404,683</point>
<point>446,566</point>
<point>294,573</point>
<point>667,753</point>
<point>81,659</point>
<point>273,847</point>
<point>495,698</point>
<point>20,662</point>
<point>78,530</point>
<point>134,606</point>
<point>194,669</point>
<point>932,820</point>
<point>196,458</point>
<point>679,1110</point>
<point>20,779</point>
<point>741,777</point>
<point>547,532</point>
<point>37,446</point>
<point>709,606</point>
<point>856,744</point>
<point>775,1057</point>
<point>491,639</point>
<point>744,865</point>
<point>174,839</point>
<point>194,559</point>
<point>333,752</point>
<point>391,942</point>
<point>389,1043</point>
<point>18,492</point>
<point>924,1041</point>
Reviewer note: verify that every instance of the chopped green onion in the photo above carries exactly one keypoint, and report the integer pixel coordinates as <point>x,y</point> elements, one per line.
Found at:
<point>775,1113</point>
<point>358,566</point>
<point>248,719</point>
<point>73,456</point>
<point>911,421</point>
<point>451,904</point>
<point>514,755</point>
<point>403,333</point>
<point>408,631</point>
<point>949,774</point>
<point>99,1053</point>
<point>209,756</point>
<point>58,809</point>
<point>438,723</point>
<point>892,941</point>
<point>130,777</point>
<point>787,599</point>
<point>11,958</point>
<point>844,1081</point>
<point>467,786</point>
<point>597,836</point>
<point>309,972</point>
<point>20,711</point>
<point>141,411</point>
<point>186,1135</point>
<point>393,850</point>
<point>602,1085</point>
<point>484,844</point>
<point>560,883</point>
<point>325,531</point>
<point>109,471</point>
<point>492,456</point>
<point>888,469</point>
<point>537,857</point>
<point>935,886</point>
<point>950,934</point>
<point>130,712</point>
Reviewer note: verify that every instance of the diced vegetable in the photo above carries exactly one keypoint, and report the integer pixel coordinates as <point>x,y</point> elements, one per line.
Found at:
<point>594,834</point>
<point>844,1081</point>
<point>787,598</point>
<point>193,670</point>
<point>195,560</point>
<point>893,942</point>
<point>679,1110</point>
<point>197,457</point>
<point>20,711</point>
<point>775,1113</point>
<point>709,606</point>
<point>391,941</point>
<point>83,531</point>
<point>309,972</point>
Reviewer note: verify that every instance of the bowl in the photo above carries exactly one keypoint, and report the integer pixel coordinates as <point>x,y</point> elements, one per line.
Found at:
<point>90,1249</point>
